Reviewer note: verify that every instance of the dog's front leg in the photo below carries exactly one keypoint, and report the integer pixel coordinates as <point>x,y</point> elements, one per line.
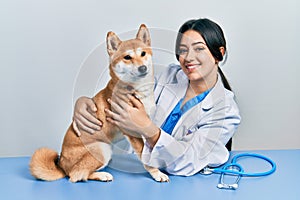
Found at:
<point>138,144</point>
<point>157,174</point>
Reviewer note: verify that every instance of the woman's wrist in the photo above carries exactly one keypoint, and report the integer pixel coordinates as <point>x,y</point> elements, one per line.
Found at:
<point>152,134</point>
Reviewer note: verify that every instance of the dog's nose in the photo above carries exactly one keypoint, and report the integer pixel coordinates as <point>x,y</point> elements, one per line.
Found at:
<point>142,69</point>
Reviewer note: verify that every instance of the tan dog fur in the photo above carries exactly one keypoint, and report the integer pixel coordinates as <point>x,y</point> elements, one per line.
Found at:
<point>82,156</point>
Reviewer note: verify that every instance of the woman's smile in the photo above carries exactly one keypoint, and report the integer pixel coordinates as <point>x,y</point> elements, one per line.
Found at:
<point>192,67</point>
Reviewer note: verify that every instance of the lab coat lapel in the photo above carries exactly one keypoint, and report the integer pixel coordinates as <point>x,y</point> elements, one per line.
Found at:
<point>192,117</point>
<point>188,121</point>
<point>169,97</point>
<point>215,96</point>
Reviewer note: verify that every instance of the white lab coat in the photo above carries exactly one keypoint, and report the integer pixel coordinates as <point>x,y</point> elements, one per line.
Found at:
<point>201,133</point>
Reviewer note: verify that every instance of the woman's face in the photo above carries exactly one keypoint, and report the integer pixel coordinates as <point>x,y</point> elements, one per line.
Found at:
<point>195,59</point>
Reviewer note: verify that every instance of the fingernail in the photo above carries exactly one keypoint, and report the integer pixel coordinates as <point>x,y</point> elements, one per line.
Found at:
<point>108,99</point>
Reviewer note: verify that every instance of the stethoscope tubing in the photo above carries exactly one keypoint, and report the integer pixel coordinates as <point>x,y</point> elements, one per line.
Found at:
<point>224,169</point>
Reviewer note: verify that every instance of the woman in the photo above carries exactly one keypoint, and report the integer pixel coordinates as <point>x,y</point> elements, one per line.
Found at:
<point>196,114</point>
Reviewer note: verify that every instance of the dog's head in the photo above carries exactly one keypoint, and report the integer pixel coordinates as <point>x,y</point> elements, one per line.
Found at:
<point>130,60</point>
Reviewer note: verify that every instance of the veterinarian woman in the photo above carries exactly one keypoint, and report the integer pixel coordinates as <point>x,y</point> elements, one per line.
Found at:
<point>196,114</point>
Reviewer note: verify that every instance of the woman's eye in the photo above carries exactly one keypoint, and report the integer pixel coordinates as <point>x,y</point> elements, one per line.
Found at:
<point>199,49</point>
<point>127,57</point>
<point>182,51</point>
<point>143,53</point>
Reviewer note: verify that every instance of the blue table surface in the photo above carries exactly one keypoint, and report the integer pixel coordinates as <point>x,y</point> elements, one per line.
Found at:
<point>17,183</point>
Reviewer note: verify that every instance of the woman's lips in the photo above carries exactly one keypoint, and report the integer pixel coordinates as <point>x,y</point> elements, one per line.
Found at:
<point>191,67</point>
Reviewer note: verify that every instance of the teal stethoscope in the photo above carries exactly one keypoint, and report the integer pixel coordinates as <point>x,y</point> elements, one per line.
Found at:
<point>235,169</point>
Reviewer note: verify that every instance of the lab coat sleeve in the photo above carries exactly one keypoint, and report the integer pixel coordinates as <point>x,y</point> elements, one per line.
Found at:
<point>205,146</point>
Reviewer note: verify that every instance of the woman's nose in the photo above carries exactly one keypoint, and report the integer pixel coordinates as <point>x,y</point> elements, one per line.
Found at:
<point>190,56</point>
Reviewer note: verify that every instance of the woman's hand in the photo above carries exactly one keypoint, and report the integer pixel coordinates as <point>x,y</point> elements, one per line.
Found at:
<point>133,120</point>
<point>84,117</point>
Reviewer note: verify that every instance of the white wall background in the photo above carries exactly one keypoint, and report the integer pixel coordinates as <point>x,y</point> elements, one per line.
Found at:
<point>44,43</point>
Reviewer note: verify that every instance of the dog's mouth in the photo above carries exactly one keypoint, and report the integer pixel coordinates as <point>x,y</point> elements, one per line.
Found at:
<point>142,75</point>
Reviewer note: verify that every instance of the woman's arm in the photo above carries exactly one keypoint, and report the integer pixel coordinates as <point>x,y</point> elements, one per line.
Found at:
<point>205,145</point>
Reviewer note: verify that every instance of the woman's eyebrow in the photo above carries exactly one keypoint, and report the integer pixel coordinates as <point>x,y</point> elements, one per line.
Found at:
<point>195,43</point>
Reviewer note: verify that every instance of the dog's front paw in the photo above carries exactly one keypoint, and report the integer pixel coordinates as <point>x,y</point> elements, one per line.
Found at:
<point>76,176</point>
<point>101,176</point>
<point>160,177</point>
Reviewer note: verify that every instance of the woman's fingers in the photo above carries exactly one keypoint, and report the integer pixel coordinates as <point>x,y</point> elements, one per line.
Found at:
<point>84,116</point>
<point>116,105</point>
<point>135,101</point>
<point>110,120</point>
<point>81,127</point>
<point>87,122</point>
<point>89,119</point>
<point>91,105</point>
<point>112,115</point>
<point>74,124</point>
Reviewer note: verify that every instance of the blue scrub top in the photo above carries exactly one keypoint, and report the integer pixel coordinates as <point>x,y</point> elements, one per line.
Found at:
<point>178,111</point>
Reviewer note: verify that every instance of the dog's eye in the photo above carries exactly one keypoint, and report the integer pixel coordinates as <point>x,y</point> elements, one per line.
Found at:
<point>127,57</point>
<point>143,53</point>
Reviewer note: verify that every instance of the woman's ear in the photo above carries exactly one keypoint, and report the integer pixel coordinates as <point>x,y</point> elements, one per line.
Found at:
<point>222,50</point>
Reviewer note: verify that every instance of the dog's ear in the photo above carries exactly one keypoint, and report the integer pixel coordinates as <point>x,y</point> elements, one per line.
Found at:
<point>144,35</point>
<point>112,43</point>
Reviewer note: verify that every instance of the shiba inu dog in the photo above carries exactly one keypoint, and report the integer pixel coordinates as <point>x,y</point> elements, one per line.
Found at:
<point>81,157</point>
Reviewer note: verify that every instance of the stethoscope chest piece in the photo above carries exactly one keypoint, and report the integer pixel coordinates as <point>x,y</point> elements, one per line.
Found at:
<point>230,186</point>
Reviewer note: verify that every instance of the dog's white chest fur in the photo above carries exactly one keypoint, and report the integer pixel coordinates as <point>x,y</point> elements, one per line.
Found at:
<point>144,92</point>
<point>149,104</point>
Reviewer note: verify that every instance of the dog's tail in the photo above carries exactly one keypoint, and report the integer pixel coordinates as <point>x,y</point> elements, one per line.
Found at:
<point>43,165</point>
